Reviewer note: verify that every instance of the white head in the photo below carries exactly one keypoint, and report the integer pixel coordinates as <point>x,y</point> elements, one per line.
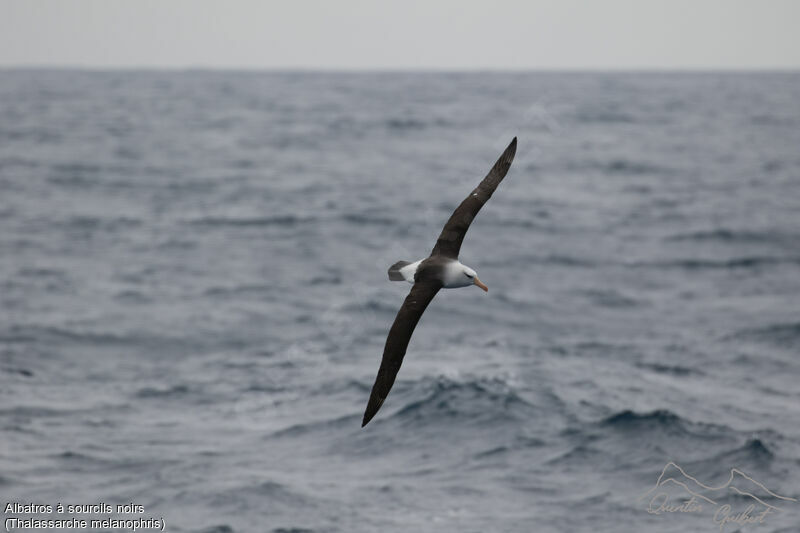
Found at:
<point>458,275</point>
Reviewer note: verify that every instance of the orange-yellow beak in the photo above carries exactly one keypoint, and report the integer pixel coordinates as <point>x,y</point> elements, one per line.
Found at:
<point>480,284</point>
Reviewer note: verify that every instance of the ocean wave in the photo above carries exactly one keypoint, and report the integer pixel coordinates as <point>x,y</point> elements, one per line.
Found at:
<point>77,168</point>
<point>733,236</point>
<point>35,333</point>
<point>18,333</point>
<point>26,412</point>
<point>581,453</point>
<point>600,116</point>
<point>80,457</point>
<point>12,161</point>
<point>168,392</point>
<point>106,224</point>
<point>781,335</point>
<point>284,220</point>
<point>325,280</point>
<point>339,386</point>
<point>664,422</point>
<point>173,244</point>
<point>550,259</point>
<point>753,450</point>
<point>611,298</point>
<point>88,337</point>
<point>620,167</point>
<point>360,218</point>
<point>77,181</point>
<point>236,290</point>
<point>772,166</point>
<point>437,401</point>
<point>371,305</point>
<point>630,419</point>
<point>474,401</point>
<point>747,262</point>
<point>520,442</point>
<point>567,261</point>
<point>132,297</point>
<point>675,370</point>
<point>268,495</point>
<point>19,371</point>
<point>36,136</point>
<point>405,124</point>
<point>525,223</point>
<point>629,167</point>
<point>39,272</point>
<point>220,528</point>
<point>325,426</point>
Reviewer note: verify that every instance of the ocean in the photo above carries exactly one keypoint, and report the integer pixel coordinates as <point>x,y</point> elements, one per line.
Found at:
<point>194,301</point>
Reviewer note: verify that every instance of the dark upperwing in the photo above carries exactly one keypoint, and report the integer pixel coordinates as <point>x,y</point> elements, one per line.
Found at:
<point>426,287</point>
<point>396,343</point>
<point>449,242</point>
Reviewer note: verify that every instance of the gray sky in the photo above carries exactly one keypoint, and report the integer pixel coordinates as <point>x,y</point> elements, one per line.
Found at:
<point>433,34</point>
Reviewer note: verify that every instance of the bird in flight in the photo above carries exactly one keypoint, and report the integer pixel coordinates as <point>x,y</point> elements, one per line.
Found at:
<point>440,270</point>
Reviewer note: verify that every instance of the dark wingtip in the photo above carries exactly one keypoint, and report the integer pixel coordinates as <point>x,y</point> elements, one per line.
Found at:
<point>366,419</point>
<point>373,406</point>
<point>368,413</point>
<point>510,152</point>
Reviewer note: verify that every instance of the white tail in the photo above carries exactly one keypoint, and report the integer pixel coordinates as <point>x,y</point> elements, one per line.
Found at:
<point>394,271</point>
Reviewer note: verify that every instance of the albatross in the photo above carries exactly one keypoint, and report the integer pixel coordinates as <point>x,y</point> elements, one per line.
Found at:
<point>440,270</point>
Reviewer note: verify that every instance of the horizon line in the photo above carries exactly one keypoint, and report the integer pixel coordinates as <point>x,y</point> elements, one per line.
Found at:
<point>400,70</point>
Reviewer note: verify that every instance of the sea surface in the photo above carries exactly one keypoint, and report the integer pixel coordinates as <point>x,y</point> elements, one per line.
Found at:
<point>194,300</point>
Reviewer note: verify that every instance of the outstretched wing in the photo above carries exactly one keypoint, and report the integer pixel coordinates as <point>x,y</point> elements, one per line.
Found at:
<point>449,242</point>
<point>396,343</point>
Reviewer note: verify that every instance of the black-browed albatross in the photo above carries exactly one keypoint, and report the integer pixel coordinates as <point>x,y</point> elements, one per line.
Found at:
<point>440,270</point>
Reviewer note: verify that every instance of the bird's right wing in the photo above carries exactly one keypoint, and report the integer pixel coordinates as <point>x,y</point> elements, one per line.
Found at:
<point>449,242</point>
<point>396,343</point>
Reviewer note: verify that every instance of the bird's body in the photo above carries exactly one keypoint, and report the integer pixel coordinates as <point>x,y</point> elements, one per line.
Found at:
<point>440,270</point>
<point>450,272</point>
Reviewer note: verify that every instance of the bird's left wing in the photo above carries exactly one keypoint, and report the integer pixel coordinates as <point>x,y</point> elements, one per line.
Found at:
<point>449,242</point>
<point>396,343</point>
